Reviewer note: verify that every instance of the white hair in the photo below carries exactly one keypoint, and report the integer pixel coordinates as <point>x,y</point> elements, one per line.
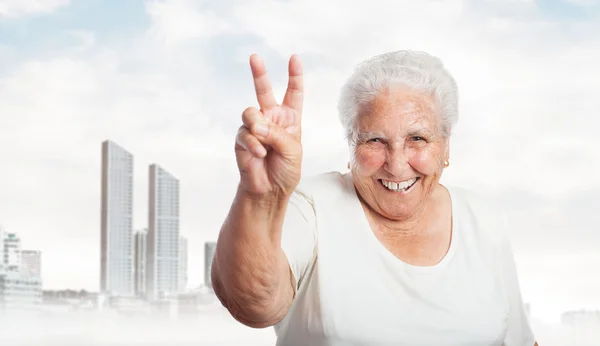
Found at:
<point>413,69</point>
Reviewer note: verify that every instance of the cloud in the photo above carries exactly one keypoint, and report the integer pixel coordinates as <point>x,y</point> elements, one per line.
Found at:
<point>179,21</point>
<point>19,8</point>
<point>582,2</point>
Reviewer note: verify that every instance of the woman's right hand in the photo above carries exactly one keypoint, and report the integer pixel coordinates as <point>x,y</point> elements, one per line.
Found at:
<point>268,145</point>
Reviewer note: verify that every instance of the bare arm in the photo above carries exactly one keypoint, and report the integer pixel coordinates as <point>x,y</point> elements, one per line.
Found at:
<point>251,274</point>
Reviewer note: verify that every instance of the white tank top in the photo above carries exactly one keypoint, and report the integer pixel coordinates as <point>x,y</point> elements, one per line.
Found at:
<point>352,291</point>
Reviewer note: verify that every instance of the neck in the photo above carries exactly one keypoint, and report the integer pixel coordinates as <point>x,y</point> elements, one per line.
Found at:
<point>416,224</point>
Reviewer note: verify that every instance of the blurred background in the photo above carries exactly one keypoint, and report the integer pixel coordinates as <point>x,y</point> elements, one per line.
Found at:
<point>151,93</point>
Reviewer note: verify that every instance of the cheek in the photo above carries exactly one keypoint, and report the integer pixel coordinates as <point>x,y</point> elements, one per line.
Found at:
<point>425,161</point>
<point>370,160</point>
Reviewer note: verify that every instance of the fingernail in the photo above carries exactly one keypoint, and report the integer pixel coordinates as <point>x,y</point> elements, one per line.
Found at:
<point>261,129</point>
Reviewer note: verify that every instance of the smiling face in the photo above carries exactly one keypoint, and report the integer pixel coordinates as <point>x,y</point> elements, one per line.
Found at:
<point>400,153</point>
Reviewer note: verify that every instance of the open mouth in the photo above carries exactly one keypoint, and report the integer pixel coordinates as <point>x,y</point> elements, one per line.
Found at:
<point>403,186</point>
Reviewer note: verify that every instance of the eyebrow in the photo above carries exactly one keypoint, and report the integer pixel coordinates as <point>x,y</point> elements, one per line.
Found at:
<point>363,136</point>
<point>420,132</point>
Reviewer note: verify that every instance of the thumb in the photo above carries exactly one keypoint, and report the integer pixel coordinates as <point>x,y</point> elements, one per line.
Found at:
<point>277,137</point>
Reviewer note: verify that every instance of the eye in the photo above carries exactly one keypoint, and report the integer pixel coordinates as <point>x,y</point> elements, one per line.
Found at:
<point>374,140</point>
<point>417,139</point>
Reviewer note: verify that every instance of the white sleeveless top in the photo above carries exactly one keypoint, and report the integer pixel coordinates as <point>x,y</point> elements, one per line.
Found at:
<point>352,291</point>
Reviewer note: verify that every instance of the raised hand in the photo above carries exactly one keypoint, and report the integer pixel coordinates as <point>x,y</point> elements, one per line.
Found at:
<point>268,145</point>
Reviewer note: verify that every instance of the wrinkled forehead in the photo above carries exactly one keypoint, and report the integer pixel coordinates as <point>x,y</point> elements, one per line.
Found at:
<point>400,107</point>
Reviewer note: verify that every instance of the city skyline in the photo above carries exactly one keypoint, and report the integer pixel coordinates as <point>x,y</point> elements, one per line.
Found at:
<point>29,262</point>
<point>125,258</point>
<point>150,262</point>
<point>168,80</point>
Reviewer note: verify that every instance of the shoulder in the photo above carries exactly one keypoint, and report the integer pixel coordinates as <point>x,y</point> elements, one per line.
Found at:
<point>482,213</point>
<point>317,187</point>
<point>326,180</point>
<point>322,184</point>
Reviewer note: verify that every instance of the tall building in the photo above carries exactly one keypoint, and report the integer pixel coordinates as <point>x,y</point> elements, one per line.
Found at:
<point>19,290</point>
<point>2,257</point>
<point>10,251</point>
<point>140,253</point>
<point>209,253</point>
<point>183,263</point>
<point>31,263</point>
<point>163,233</point>
<point>19,293</point>
<point>116,252</point>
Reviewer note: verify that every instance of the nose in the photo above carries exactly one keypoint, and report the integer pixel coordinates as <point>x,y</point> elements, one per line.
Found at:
<point>397,160</point>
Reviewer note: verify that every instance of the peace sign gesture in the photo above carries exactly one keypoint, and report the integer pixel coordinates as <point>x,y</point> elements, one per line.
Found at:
<point>268,145</point>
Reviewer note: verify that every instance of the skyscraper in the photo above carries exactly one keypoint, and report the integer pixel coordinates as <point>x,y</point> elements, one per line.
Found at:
<point>116,252</point>
<point>163,233</point>
<point>140,258</point>
<point>183,263</point>
<point>19,290</point>
<point>10,251</point>
<point>31,263</point>
<point>209,253</point>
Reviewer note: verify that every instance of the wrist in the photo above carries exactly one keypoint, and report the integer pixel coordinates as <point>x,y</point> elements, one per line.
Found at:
<point>264,201</point>
<point>267,210</point>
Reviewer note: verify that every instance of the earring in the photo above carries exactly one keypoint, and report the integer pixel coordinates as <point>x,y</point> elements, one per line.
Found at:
<point>348,164</point>
<point>446,163</point>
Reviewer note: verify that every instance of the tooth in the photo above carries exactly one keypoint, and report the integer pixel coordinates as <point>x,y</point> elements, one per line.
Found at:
<point>398,186</point>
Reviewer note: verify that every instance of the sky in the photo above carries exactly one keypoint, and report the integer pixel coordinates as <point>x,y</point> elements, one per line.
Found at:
<point>168,81</point>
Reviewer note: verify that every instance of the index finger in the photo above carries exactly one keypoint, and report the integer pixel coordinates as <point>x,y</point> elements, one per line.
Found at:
<point>294,94</point>
<point>262,85</point>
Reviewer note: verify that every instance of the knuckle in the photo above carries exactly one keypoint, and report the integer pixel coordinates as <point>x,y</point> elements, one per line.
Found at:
<point>241,131</point>
<point>242,135</point>
<point>249,112</point>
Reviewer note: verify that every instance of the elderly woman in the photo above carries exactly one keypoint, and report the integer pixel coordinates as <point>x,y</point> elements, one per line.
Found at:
<point>380,255</point>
